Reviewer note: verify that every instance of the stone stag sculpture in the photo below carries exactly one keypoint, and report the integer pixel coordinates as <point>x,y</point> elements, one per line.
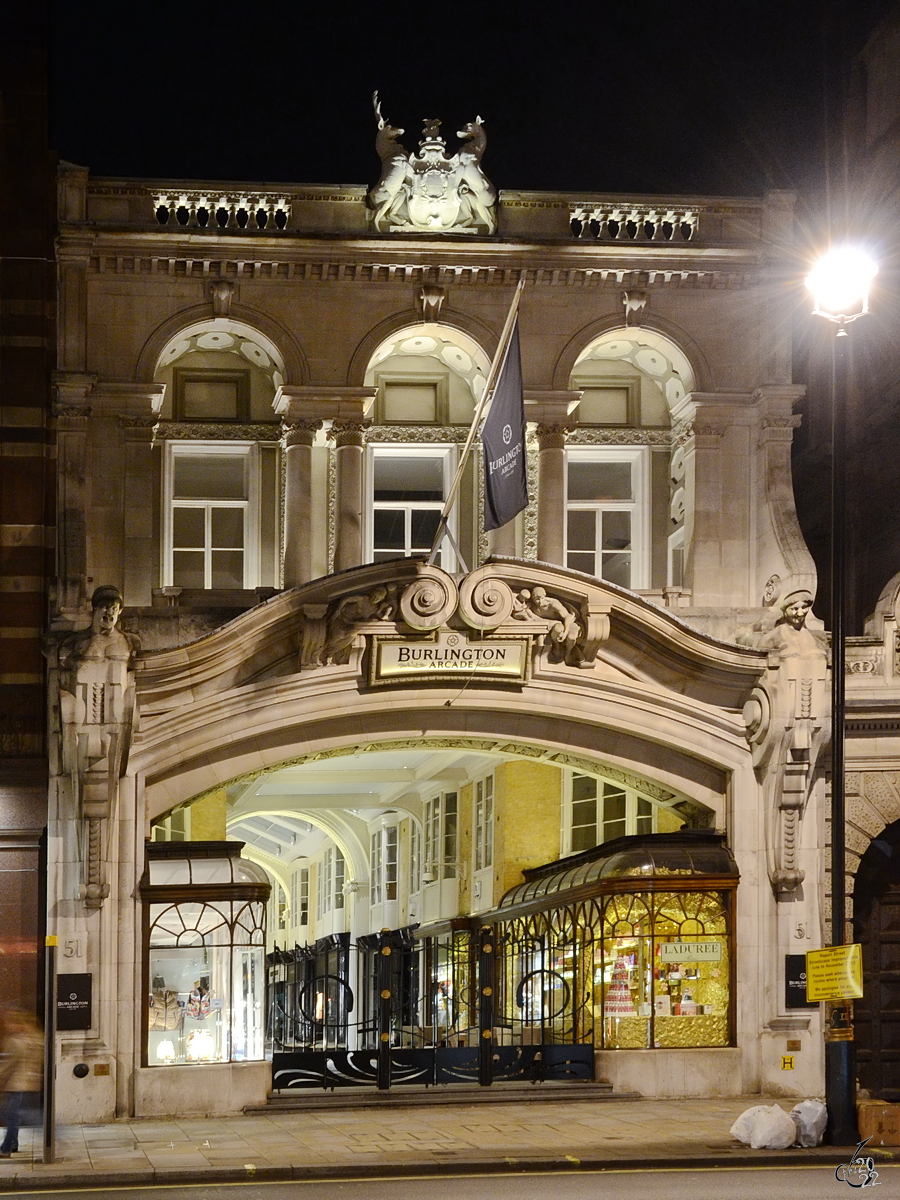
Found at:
<point>96,680</point>
<point>431,191</point>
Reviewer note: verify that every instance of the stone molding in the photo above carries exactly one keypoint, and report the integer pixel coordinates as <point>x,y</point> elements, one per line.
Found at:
<point>299,433</point>
<point>218,431</point>
<point>348,433</point>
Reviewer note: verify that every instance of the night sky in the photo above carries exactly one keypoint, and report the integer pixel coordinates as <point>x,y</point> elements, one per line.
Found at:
<point>714,98</point>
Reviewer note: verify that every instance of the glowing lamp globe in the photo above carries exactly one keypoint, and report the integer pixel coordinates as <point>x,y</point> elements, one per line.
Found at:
<point>840,283</point>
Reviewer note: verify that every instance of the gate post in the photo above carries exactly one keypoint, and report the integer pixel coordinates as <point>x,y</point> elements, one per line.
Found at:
<point>383,981</point>
<point>486,958</point>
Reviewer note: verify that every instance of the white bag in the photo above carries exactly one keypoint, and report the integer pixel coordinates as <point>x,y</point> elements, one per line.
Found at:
<point>742,1129</point>
<point>810,1118</point>
<point>773,1129</point>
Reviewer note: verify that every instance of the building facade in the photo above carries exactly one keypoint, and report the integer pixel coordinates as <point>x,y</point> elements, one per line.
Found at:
<point>261,399</point>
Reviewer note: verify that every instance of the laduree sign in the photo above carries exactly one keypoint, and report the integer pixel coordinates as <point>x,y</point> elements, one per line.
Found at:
<point>834,973</point>
<point>449,654</point>
<point>690,951</point>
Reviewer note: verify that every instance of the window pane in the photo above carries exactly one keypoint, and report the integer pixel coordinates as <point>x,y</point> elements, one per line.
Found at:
<point>210,477</point>
<point>410,402</point>
<point>644,816</point>
<point>409,478</point>
<point>599,480</point>
<point>227,569</point>
<point>390,529</point>
<point>583,787</point>
<point>584,838</point>
<point>188,528</point>
<point>187,569</point>
<point>581,561</point>
<point>582,529</point>
<point>424,527</point>
<point>616,531</point>
<point>617,569</point>
<point>228,528</point>
<point>209,399</point>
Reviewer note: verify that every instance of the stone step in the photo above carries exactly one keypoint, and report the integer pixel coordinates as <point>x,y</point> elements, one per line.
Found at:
<point>416,1097</point>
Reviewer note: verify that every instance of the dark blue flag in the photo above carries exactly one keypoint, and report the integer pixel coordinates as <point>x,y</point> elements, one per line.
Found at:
<point>503,439</point>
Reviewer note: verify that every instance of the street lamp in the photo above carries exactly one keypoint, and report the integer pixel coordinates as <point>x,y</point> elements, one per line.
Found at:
<point>840,284</point>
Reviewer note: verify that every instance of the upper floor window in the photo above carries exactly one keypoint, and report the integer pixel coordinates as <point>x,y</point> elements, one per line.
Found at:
<point>409,486</point>
<point>599,811</point>
<point>383,865</point>
<point>607,503</point>
<point>441,836</point>
<point>300,897</point>
<point>330,882</point>
<point>484,822</point>
<point>210,498</point>
<point>415,856</point>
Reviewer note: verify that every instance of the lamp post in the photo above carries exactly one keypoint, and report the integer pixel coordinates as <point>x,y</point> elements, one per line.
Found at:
<point>840,286</point>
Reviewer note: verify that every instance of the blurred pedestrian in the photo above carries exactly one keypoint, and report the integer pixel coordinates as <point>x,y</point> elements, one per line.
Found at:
<point>21,1071</point>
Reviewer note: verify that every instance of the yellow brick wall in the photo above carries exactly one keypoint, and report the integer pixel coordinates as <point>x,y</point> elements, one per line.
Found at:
<point>527,797</point>
<point>208,818</point>
<point>668,821</point>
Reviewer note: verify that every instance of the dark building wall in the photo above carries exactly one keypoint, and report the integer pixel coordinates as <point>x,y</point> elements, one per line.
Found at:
<point>27,305</point>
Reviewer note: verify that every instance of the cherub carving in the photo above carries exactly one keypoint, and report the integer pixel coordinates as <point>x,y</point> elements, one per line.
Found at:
<point>563,631</point>
<point>788,637</point>
<point>350,612</point>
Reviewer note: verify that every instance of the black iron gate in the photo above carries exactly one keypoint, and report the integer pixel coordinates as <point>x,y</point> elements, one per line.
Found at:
<point>464,1006</point>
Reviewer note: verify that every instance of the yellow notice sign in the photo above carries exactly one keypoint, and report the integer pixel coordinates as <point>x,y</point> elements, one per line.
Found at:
<point>787,1062</point>
<point>834,973</point>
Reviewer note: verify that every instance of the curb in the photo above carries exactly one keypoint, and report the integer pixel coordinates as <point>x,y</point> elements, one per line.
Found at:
<point>735,1159</point>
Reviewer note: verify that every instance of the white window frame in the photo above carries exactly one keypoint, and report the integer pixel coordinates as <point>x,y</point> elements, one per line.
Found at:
<point>416,845</point>
<point>448,454</point>
<point>483,822</point>
<point>632,797</point>
<point>250,506</point>
<point>638,506</point>
<point>300,897</point>
<point>330,882</point>
<point>438,838</point>
<point>383,845</point>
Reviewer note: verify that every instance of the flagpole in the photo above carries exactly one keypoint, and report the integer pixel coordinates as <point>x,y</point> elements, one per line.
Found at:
<point>486,395</point>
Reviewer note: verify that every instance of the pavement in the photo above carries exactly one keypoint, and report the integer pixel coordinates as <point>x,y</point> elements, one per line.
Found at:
<point>347,1142</point>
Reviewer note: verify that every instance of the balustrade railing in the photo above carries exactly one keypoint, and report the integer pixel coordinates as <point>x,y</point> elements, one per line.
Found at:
<point>617,222</point>
<point>212,210</point>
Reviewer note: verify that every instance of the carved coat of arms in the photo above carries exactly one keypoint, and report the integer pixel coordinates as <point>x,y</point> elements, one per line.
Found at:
<point>431,191</point>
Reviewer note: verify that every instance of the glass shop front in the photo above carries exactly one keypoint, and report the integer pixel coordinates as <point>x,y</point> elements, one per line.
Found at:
<point>204,954</point>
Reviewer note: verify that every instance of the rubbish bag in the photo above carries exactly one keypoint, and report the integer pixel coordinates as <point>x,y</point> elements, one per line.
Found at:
<point>742,1129</point>
<point>765,1128</point>
<point>773,1129</point>
<point>810,1118</point>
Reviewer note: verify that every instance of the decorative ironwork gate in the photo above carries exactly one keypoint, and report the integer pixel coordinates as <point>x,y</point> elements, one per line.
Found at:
<point>468,1005</point>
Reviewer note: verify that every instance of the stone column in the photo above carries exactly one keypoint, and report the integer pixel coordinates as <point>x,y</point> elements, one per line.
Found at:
<point>349,439</point>
<point>551,493</point>
<point>297,442</point>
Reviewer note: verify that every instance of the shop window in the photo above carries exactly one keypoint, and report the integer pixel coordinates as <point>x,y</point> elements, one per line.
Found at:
<point>330,882</point>
<point>204,922</point>
<point>300,897</point>
<point>383,865</point>
<point>628,946</point>
<point>600,811</point>
<point>409,486</point>
<point>441,837</point>
<point>210,504</point>
<point>211,395</point>
<point>484,822</point>
<point>606,515</point>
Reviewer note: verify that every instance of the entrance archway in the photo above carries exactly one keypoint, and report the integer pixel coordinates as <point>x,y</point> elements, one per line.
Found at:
<point>876,925</point>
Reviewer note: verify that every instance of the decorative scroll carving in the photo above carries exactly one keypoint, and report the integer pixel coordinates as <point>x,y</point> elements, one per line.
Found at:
<point>417,433</point>
<point>787,724</point>
<point>634,304</point>
<point>592,436</point>
<point>485,601</point>
<point>432,191</point>
<point>137,422</point>
<point>220,431</point>
<point>429,601</point>
<point>329,631</point>
<point>96,670</point>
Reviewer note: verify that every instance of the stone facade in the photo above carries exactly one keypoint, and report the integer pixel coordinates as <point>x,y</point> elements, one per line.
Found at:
<point>261,403</point>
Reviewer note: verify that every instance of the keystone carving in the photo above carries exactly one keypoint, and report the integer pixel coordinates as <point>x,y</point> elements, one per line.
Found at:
<point>96,700</point>
<point>787,724</point>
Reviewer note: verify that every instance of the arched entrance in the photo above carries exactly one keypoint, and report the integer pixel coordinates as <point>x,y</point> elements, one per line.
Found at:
<point>876,925</point>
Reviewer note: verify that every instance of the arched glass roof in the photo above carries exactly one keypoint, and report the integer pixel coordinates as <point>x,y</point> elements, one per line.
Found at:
<point>648,859</point>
